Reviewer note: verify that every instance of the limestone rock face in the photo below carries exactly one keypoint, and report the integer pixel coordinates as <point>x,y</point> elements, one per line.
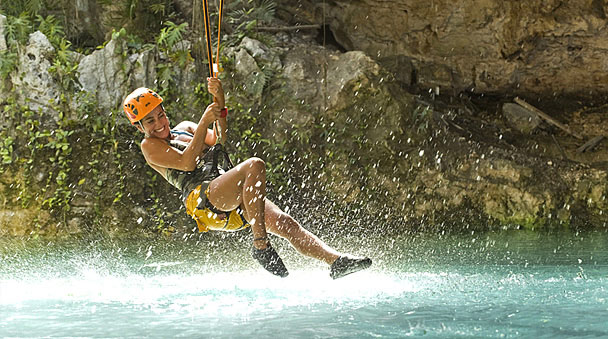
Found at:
<point>36,87</point>
<point>334,86</point>
<point>143,71</point>
<point>105,73</point>
<point>544,47</point>
<point>250,76</point>
<point>254,63</point>
<point>370,141</point>
<point>262,53</point>
<point>109,75</point>
<point>2,39</point>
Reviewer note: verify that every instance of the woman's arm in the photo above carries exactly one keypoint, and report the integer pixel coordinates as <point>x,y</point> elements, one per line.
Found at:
<point>190,127</point>
<point>158,152</point>
<point>214,86</point>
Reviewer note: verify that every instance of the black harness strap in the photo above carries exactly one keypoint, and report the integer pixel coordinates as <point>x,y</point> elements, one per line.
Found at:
<point>216,159</point>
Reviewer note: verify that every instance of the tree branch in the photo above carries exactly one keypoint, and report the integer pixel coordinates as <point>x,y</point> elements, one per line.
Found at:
<point>287,28</point>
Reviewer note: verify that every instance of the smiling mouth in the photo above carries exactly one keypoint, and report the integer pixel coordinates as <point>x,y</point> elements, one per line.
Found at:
<point>159,130</point>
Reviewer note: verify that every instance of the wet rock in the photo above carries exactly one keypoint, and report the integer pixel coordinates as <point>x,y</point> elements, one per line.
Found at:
<point>327,81</point>
<point>520,118</point>
<point>74,226</point>
<point>347,73</point>
<point>108,74</point>
<point>305,66</point>
<point>434,77</point>
<point>368,142</point>
<point>401,67</point>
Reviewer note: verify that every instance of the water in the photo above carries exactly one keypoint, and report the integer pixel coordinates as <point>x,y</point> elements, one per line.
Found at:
<point>506,284</point>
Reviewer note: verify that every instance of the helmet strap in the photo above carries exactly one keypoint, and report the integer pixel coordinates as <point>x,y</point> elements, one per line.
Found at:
<point>142,128</point>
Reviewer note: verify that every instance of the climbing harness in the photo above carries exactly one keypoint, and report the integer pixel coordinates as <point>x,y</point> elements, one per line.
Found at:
<point>194,188</point>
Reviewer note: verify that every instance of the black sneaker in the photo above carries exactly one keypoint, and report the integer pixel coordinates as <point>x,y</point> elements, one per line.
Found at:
<point>270,260</point>
<point>346,265</point>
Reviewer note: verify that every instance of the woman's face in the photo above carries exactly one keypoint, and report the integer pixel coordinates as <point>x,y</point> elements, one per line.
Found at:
<point>156,124</point>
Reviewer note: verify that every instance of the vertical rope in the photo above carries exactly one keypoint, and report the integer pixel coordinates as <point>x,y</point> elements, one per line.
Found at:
<point>212,72</point>
<point>219,29</point>
<point>208,37</point>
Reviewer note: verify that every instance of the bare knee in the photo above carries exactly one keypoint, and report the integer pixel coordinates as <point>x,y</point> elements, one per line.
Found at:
<point>255,165</point>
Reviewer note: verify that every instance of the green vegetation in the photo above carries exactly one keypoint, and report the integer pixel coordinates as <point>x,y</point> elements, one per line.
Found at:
<point>248,14</point>
<point>167,42</point>
<point>84,157</point>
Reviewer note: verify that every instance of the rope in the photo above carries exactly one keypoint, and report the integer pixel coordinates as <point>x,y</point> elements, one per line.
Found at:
<point>208,36</point>
<point>213,67</point>
<point>219,29</point>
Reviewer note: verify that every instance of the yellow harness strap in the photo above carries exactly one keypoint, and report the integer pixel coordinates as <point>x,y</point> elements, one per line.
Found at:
<point>207,220</point>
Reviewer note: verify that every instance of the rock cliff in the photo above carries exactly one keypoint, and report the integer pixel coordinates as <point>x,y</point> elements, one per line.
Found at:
<point>541,47</point>
<point>402,116</point>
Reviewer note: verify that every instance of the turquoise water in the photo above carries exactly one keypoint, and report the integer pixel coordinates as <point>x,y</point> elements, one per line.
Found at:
<point>505,284</point>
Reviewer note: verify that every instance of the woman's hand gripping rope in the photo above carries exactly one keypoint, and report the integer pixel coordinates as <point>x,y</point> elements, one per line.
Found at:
<point>212,113</point>
<point>214,86</point>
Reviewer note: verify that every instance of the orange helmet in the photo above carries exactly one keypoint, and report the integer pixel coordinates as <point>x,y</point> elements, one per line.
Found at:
<point>140,102</point>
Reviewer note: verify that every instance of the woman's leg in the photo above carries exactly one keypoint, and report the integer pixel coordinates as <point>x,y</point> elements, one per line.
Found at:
<point>244,185</point>
<point>283,225</point>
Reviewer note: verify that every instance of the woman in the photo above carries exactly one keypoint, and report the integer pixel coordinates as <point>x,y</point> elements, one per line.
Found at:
<point>230,201</point>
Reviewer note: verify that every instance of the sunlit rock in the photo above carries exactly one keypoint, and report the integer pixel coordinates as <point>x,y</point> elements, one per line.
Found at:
<point>33,82</point>
<point>2,39</point>
<point>105,73</point>
<point>20,222</point>
<point>144,70</point>
<point>261,53</point>
<point>250,77</point>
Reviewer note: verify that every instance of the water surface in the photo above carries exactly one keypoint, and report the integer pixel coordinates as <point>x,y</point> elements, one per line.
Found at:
<point>511,283</point>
